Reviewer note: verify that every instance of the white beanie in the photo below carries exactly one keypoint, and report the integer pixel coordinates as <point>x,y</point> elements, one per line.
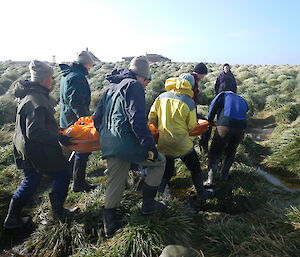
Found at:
<point>140,66</point>
<point>40,71</point>
<point>85,58</point>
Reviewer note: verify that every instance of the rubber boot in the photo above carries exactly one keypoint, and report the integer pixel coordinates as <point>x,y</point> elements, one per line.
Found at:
<point>164,182</point>
<point>79,183</point>
<point>213,165</point>
<point>202,194</point>
<point>13,219</point>
<point>150,206</point>
<point>58,209</point>
<point>226,166</point>
<point>110,222</point>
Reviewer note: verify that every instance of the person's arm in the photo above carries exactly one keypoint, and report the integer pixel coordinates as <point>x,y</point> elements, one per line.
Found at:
<point>136,113</point>
<point>77,92</point>
<point>234,83</point>
<point>98,114</point>
<point>152,116</point>
<point>192,120</point>
<point>217,85</point>
<point>215,106</point>
<point>36,129</point>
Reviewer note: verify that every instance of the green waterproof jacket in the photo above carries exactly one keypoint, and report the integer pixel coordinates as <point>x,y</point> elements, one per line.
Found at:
<point>36,132</point>
<point>75,94</point>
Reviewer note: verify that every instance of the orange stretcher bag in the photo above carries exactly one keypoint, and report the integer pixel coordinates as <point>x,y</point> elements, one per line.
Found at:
<point>84,134</point>
<point>202,127</point>
<point>154,131</point>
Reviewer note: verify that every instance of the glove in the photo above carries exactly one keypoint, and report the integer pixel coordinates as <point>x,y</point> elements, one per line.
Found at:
<point>65,140</point>
<point>152,154</point>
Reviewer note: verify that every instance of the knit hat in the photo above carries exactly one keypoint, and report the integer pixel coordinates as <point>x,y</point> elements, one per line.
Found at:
<point>200,68</point>
<point>187,77</point>
<point>40,71</point>
<point>140,66</point>
<point>85,58</point>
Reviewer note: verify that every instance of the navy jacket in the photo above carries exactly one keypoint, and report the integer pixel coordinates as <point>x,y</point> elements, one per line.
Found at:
<point>75,94</point>
<point>225,82</point>
<point>121,119</point>
<point>231,110</point>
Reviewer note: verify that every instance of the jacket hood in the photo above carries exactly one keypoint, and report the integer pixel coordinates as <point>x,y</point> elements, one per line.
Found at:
<point>74,67</point>
<point>26,87</point>
<point>116,76</point>
<point>179,86</point>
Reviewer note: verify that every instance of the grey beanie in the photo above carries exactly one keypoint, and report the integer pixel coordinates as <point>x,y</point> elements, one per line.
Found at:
<point>187,77</point>
<point>178,251</point>
<point>40,71</point>
<point>85,58</point>
<point>140,66</point>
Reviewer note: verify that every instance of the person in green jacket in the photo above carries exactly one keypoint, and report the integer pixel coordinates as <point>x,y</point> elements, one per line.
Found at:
<point>75,98</point>
<point>36,146</point>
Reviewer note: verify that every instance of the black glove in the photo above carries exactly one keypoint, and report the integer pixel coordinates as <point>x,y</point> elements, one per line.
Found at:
<point>65,140</point>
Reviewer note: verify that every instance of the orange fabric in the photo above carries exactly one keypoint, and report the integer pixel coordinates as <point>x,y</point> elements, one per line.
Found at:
<point>84,134</point>
<point>202,127</point>
<point>154,131</point>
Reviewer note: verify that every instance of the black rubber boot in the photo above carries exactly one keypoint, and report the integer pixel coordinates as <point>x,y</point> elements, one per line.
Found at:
<point>226,166</point>
<point>213,166</point>
<point>79,183</point>
<point>110,222</point>
<point>150,206</point>
<point>58,209</point>
<point>13,219</point>
<point>164,182</point>
<point>202,194</point>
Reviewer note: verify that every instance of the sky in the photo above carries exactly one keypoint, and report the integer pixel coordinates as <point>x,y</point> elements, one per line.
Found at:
<point>231,31</point>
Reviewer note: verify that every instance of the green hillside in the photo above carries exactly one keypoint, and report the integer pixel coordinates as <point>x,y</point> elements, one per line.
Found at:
<point>247,217</point>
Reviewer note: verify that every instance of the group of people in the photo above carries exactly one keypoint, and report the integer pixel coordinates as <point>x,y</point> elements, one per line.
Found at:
<point>125,139</point>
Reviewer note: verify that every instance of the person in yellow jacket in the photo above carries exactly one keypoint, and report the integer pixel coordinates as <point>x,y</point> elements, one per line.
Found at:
<point>174,114</point>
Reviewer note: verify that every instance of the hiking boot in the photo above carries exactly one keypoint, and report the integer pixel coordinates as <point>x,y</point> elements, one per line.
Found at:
<point>149,205</point>
<point>58,209</point>
<point>110,222</point>
<point>13,219</point>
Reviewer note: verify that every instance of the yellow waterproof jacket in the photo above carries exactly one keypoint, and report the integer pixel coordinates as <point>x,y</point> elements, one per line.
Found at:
<point>174,114</point>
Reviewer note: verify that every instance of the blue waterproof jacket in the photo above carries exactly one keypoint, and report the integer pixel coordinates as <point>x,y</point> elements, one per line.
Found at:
<point>75,94</point>
<point>121,119</point>
<point>231,110</point>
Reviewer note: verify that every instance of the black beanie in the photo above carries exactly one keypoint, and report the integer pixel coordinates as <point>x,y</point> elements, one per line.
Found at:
<point>200,68</point>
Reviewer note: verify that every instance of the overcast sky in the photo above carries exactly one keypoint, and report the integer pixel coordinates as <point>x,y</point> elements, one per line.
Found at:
<point>233,31</point>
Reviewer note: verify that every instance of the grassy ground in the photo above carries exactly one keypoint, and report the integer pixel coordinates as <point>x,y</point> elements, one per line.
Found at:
<point>247,217</point>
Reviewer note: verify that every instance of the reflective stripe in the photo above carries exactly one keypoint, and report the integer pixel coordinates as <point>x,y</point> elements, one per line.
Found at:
<point>183,98</point>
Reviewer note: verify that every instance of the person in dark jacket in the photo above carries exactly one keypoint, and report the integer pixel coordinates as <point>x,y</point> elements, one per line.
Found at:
<point>125,138</point>
<point>199,72</point>
<point>231,110</point>
<point>75,98</point>
<point>225,81</point>
<point>36,146</point>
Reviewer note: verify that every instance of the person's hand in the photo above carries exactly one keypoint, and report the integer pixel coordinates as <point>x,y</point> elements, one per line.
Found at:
<point>65,140</point>
<point>152,154</point>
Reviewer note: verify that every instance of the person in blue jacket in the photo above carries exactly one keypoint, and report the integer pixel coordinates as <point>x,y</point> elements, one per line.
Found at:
<point>225,81</point>
<point>75,98</point>
<point>125,138</point>
<point>231,110</point>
